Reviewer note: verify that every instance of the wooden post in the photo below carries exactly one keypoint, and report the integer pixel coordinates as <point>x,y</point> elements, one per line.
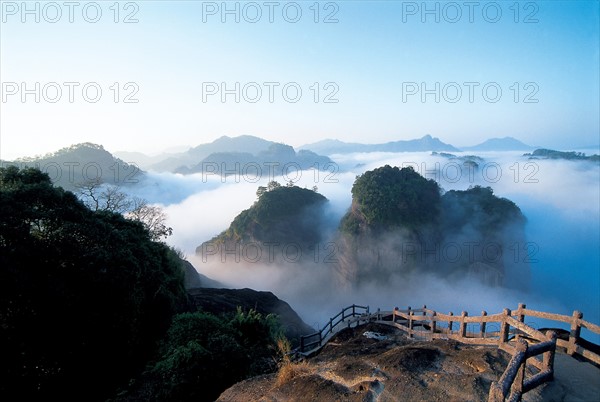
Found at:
<point>463,325</point>
<point>575,332</point>
<point>504,327</point>
<point>517,385</point>
<point>424,308</point>
<point>353,310</point>
<point>482,326</point>
<point>320,338</point>
<point>521,312</point>
<point>394,314</point>
<point>548,359</point>
<point>410,322</point>
<point>433,323</point>
<point>450,323</point>
<point>302,344</point>
<point>378,314</point>
<point>495,394</point>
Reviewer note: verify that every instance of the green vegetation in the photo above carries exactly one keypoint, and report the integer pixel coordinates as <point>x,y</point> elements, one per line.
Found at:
<point>279,211</point>
<point>84,295</point>
<point>100,197</point>
<point>389,197</point>
<point>282,202</point>
<point>479,208</point>
<point>88,298</point>
<point>204,354</point>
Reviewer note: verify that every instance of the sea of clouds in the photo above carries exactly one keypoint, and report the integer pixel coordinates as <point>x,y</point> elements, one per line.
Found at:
<point>559,198</point>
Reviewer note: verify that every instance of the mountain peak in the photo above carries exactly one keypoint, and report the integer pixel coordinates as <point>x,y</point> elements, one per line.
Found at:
<point>68,167</point>
<point>500,144</point>
<point>85,145</point>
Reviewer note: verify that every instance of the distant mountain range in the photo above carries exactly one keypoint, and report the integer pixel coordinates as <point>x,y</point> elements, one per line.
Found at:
<point>426,143</point>
<point>276,160</point>
<point>86,161</point>
<point>250,148</point>
<point>244,143</point>
<point>227,154</point>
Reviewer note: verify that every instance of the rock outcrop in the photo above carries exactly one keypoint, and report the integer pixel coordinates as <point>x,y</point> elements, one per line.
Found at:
<point>218,301</point>
<point>386,367</point>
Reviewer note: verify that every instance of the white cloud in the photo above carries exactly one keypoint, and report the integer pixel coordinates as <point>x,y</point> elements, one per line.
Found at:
<point>559,198</point>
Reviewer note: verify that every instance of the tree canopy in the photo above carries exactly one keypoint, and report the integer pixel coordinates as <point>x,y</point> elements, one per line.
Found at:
<point>480,208</point>
<point>84,295</point>
<point>204,354</point>
<point>390,197</point>
<point>278,206</point>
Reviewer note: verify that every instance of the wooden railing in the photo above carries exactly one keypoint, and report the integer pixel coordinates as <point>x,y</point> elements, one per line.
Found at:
<point>314,341</point>
<point>526,345</point>
<point>513,384</point>
<point>576,322</point>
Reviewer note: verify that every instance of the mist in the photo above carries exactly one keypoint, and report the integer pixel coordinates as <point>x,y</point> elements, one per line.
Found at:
<point>558,198</point>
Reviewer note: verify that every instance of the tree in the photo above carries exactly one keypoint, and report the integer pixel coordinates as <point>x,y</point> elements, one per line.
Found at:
<point>92,282</point>
<point>116,200</point>
<point>273,185</point>
<point>260,191</point>
<point>98,197</point>
<point>152,217</point>
<point>89,193</point>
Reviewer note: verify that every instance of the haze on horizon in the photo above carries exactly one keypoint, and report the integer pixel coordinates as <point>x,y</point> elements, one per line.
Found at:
<point>384,71</point>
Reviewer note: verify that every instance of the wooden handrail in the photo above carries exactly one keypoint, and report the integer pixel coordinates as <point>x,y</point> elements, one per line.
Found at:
<point>513,383</point>
<point>329,327</point>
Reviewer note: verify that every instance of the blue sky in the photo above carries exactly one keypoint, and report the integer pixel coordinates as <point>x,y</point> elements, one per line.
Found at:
<point>369,61</point>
